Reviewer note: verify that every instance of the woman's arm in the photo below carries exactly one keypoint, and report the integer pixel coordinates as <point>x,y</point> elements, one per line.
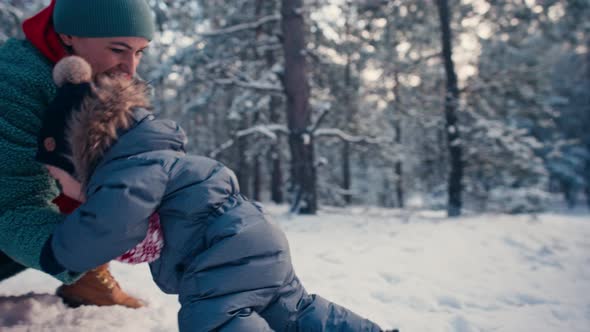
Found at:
<point>113,219</point>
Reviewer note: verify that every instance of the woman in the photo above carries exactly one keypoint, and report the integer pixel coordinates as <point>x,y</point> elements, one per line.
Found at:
<point>111,35</point>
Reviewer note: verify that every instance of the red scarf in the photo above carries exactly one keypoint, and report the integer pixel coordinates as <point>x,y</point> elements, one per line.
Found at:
<point>40,32</point>
<point>66,204</point>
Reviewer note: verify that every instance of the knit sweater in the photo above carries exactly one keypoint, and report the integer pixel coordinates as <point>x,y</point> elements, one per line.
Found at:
<point>27,216</point>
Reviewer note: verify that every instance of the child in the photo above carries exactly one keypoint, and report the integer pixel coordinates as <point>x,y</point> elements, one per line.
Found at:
<point>229,264</point>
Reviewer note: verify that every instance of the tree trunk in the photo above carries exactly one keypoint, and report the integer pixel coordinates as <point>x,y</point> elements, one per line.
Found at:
<point>274,159</point>
<point>257,180</point>
<point>298,108</point>
<point>346,171</point>
<point>451,104</point>
<point>587,189</point>
<point>276,180</point>
<point>255,169</point>
<point>587,167</point>
<point>346,179</point>
<point>276,177</point>
<point>569,194</point>
<point>243,170</point>
<point>399,183</point>
<point>392,44</point>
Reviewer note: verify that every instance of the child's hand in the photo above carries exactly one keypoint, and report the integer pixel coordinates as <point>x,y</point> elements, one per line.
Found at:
<point>69,186</point>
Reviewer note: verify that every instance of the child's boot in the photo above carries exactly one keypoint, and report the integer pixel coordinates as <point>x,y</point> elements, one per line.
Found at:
<point>97,287</point>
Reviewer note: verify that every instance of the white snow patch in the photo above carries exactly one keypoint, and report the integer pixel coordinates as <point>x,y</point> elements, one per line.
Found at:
<point>412,270</point>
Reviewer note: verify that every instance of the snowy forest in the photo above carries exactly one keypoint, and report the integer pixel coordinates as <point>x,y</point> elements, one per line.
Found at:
<point>428,160</point>
<point>464,106</point>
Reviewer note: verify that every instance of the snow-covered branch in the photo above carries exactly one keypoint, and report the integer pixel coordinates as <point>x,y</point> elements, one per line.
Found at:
<point>334,132</point>
<point>244,26</point>
<point>277,128</point>
<point>269,131</point>
<point>226,145</point>
<point>11,10</point>
<point>250,85</point>
<point>260,129</point>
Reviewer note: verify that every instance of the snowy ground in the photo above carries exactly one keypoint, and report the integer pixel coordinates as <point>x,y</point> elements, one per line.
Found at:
<point>416,271</point>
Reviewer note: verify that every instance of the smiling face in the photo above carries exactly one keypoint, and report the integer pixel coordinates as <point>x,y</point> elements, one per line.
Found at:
<point>118,55</point>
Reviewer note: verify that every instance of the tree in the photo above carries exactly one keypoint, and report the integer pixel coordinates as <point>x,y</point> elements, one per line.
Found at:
<point>451,105</point>
<point>12,12</point>
<point>303,173</point>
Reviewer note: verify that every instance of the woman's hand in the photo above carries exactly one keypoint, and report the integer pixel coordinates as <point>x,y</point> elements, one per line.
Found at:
<point>69,186</point>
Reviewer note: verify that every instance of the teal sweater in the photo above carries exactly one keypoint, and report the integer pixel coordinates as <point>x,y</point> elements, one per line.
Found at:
<point>27,216</point>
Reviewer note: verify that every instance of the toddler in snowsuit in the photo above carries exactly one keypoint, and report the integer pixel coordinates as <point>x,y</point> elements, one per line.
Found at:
<point>228,262</point>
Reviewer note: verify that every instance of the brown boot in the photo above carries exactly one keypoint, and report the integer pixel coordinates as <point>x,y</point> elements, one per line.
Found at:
<point>97,287</point>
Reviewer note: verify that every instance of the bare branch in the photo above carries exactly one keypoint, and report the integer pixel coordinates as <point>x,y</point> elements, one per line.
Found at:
<point>243,26</point>
<point>315,126</point>
<point>11,10</point>
<point>226,145</point>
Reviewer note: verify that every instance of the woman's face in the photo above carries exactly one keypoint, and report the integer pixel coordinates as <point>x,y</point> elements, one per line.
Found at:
<point>118,55</point>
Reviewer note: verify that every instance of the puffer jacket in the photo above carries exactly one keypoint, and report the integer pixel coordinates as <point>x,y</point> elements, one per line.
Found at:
<point>27,216</point>
<point>229,263</point>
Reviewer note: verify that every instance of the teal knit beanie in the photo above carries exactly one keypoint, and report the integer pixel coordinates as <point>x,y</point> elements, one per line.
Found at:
<point>104,18</point>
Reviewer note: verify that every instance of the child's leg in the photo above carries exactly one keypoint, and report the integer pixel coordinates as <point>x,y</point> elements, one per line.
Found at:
<point>295,310</point>
<point>323,315</point>
<point>246,321</point>
<point>217,314</point>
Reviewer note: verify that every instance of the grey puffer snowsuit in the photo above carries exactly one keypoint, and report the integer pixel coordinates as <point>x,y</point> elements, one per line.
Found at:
<point>228,262</point>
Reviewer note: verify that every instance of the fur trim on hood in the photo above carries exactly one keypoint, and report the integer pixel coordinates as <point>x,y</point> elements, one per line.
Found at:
<point>104,112</point>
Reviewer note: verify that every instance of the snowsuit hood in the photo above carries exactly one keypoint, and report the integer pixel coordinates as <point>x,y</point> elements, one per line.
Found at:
<point>102,110</point>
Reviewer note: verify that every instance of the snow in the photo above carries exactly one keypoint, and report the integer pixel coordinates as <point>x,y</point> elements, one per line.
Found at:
<point>408,269</point>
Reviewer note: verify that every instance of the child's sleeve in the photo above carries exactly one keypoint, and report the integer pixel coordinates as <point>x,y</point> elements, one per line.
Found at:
<point>114,218</point>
